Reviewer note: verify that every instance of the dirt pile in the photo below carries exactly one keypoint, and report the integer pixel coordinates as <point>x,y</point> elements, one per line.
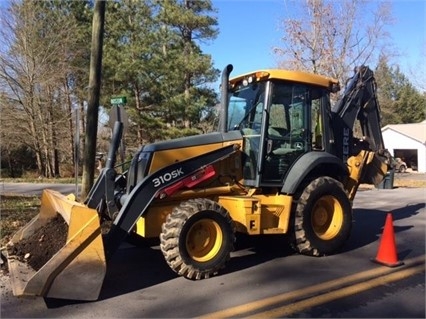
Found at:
<point>42,245</point>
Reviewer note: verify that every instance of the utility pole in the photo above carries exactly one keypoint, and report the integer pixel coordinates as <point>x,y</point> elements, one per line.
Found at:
<point>89,155</point>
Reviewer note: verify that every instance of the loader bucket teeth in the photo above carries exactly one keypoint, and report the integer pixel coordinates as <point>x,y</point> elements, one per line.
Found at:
<point>78,269</point>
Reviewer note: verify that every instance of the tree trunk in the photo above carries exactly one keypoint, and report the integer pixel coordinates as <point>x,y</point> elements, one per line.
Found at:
<point>89,155</point>
<point>70,121</point>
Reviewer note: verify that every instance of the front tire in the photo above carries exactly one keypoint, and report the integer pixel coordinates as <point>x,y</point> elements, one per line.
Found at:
<point>197,238</point>
<point>322,219</point>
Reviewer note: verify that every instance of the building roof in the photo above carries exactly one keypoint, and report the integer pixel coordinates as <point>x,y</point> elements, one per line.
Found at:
<point>416,131</point>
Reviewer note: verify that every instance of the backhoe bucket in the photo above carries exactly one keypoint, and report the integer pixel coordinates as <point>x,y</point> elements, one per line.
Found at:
<point>375,169</point>
<point>78,269</point>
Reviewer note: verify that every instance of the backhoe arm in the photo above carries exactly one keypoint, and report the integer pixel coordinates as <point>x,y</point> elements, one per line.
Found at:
<point>366,156</point>
<point>359,101</point>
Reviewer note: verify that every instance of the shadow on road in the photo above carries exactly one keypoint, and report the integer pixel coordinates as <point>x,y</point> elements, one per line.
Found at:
<point>368,224</point>
<point>134,268</point>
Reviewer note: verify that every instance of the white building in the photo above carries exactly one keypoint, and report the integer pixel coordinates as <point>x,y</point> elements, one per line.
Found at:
<point>407,141</point>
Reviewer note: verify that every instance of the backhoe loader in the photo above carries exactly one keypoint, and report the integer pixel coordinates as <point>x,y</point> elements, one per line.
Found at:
<point>283,161</point>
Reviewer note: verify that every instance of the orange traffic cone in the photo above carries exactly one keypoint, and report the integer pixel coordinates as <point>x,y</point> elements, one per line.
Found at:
<point>387,254</point>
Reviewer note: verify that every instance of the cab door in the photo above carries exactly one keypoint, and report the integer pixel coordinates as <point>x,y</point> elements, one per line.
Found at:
<point>287,134</point>
<point>253,131</point>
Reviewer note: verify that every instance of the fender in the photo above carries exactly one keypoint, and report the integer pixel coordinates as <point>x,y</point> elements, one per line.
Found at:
<point>309,162</point>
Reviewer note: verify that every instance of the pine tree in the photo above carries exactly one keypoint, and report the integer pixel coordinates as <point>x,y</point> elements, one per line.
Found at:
<point>399,100</point>
<point>130,63</point>
<point>152,56</point>
<point>386,92</point>
<point>191,22</point>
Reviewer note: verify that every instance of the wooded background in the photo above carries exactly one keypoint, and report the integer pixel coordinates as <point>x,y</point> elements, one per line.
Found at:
<point>152,55</point>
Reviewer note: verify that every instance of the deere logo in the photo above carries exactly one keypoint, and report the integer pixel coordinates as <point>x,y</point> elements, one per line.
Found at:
<point>346,137</point>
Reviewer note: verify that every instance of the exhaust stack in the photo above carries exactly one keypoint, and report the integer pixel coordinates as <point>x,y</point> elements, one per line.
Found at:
<point>224,98</point>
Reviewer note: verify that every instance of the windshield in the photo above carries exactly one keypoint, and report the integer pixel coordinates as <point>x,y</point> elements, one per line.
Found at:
<point>242,104</point>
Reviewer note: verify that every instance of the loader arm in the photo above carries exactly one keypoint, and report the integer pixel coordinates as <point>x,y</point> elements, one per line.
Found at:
<point>103,189</point>
<point>144,192</point>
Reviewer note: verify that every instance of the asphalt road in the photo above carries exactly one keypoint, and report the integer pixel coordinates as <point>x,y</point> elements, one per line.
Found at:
<point>265,278</point>
<point>36,188</point>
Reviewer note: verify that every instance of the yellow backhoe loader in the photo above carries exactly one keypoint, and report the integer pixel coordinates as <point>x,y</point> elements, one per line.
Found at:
<point>284,161</point>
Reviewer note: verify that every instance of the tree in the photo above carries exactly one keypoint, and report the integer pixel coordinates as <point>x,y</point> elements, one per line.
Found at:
<point>386,92</point>
<point>38,42</point>
<point>418,71</point>
<point>410,104</point>
<point>190,21</point>
<point>333,37</point>
<point>93,97</point>
<point>399,100</point>
<point>131,63</point>
<point>152,56</point>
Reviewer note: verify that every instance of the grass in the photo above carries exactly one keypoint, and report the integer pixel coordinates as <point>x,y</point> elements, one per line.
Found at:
<point>15,212</point>
<point>409,183</point>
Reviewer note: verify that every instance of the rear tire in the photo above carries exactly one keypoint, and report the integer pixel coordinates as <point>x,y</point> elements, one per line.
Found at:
<point>322,219</point>
<point>197,238</point>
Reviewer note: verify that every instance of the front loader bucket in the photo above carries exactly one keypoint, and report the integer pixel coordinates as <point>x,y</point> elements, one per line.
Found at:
<point>78,269</point>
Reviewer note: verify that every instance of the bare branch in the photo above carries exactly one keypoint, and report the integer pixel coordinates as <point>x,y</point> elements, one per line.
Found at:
<point>332,37</point>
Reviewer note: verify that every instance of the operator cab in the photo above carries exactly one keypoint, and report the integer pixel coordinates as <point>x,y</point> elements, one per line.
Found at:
<point>280,114</point>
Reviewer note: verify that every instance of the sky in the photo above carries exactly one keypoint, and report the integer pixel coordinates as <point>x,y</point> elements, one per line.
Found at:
<point>249,29</point>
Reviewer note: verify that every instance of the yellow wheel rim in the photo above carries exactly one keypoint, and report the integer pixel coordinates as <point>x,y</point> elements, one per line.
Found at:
<point>204,240</point>
<point>327,217</point>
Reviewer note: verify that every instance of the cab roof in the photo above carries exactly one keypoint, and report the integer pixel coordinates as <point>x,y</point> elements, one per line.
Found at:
<point>288,75</point>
